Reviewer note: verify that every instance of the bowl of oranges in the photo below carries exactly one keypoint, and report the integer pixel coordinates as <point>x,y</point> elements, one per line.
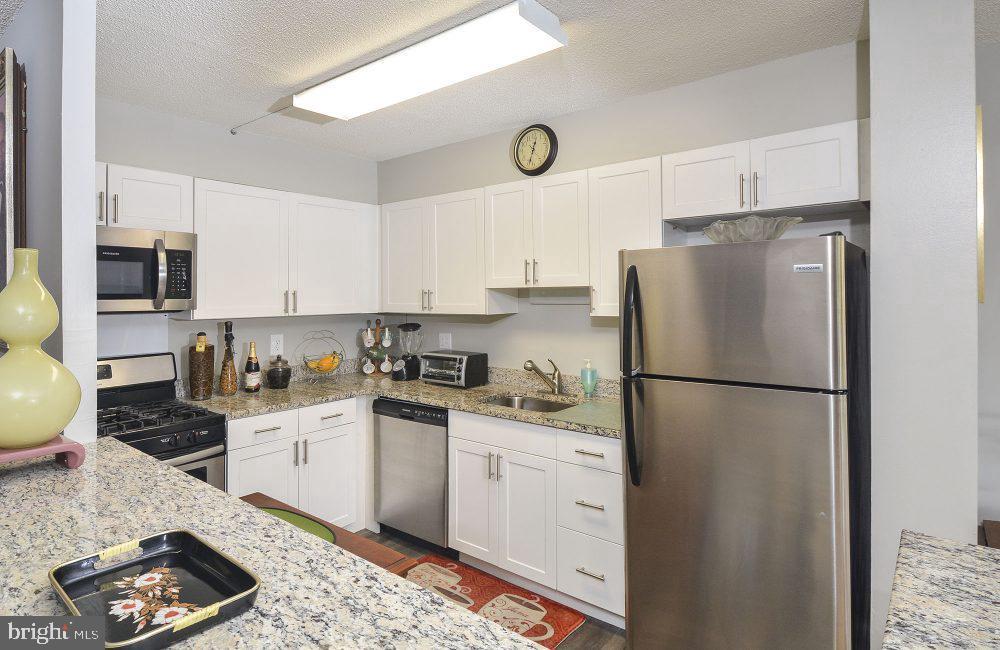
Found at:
<point>321,353</point>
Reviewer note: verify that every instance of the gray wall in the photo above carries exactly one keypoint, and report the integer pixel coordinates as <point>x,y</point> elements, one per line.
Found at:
<point>923,292</point>
<point>36,36</point>
<point>988,95</point>
<point>138,136</point>
<point>811,89</point>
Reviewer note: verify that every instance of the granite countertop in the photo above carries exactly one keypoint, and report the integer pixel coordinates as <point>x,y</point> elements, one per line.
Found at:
<point>313,594</point>
<point>595,416</point>
<point>945,595</point>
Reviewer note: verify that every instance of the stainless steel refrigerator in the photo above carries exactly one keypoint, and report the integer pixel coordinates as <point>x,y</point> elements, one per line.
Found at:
<point>745,397</point>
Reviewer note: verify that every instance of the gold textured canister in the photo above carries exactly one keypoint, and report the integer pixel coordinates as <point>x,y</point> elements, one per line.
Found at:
<point>201,367</point>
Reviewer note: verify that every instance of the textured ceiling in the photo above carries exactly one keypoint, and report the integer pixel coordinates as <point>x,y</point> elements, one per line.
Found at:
<point>228,62</point>
<point>7,10</point>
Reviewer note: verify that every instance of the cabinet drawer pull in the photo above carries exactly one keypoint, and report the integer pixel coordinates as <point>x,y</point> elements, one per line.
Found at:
<point>595,454</point>
<point>595,576</point>
<point>267,430</point>
<point>331,416</point>
<point>585,504</point>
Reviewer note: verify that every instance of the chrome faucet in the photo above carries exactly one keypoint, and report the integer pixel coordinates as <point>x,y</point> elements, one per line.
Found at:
<point>553,381</point>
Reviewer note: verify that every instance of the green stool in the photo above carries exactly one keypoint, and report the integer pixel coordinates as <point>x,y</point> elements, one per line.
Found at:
<point>304,523</point>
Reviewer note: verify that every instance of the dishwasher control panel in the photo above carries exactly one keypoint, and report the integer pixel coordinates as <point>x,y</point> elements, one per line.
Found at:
<point>409,411</point>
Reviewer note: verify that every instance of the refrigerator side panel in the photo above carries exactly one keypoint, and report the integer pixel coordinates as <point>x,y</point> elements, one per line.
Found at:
<point>758,312</point>
<point>737,532</point>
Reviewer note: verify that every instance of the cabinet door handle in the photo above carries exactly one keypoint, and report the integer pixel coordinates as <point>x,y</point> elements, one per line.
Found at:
<point>305,451</point>
<point>100,207</point>
<point>114,201</point>
<point>331,416</point>
<point>741,189</point>
<point>268,429</point>
<point>593,299</point>
<point>595,454</point>
<point>492,474</point>
<point>526,265</point>
<point>286,301</point>
<point>756,192</point>
<point>585,504</point>
<point>295,453</point>
<point>430,303</point>
<point>595,576</point>
<point>423,299</point>
<point>499,475</point>
<point>534,271</point>
<point>295,301</point>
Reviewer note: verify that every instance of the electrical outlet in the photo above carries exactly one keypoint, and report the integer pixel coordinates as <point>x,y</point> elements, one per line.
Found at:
<point>444,340</point>
<point>277,344</point>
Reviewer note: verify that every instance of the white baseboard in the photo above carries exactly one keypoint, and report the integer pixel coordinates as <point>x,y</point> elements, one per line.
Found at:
<point>585,608</point>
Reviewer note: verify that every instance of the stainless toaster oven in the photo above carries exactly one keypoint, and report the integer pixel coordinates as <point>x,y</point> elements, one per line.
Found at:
<point>454,368</point>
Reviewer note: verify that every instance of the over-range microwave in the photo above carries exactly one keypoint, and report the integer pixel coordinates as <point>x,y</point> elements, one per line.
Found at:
<point>145,270</point>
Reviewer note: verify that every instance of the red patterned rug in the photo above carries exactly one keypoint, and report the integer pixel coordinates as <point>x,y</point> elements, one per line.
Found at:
<point>532,616</point>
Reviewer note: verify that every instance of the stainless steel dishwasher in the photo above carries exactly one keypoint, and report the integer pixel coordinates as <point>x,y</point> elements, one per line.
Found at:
<point>411,469</point>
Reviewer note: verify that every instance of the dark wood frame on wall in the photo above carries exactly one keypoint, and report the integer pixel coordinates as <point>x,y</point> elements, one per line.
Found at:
<point>13,94</point>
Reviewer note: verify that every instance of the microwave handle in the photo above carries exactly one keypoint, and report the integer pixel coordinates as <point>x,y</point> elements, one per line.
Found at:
<point>161,274</point>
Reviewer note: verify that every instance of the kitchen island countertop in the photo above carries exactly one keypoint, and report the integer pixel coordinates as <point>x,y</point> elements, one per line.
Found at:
<point>944,595</point>
<point>593,420</point>
<point>313,594</point>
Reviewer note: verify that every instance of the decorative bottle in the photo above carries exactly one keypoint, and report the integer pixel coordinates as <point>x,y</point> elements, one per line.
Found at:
<point>251,373</point>
<point>38,395</point>
<point>228,382</point>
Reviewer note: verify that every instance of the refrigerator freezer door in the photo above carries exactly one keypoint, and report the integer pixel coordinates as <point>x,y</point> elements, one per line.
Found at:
<point>737,534</point>
<point>767,313</point>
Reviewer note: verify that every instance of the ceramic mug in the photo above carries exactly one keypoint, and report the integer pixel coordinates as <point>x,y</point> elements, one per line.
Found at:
<point>518,615</point>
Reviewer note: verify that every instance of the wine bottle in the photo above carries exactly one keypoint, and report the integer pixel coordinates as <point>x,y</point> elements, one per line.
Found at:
<point>228,384</point>
<point>251,374</point>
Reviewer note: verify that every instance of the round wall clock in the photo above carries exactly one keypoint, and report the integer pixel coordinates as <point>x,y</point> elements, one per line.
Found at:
<point>534,149</point>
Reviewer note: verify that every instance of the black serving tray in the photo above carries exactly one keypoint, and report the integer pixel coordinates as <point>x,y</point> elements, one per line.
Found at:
<point>156,590</point>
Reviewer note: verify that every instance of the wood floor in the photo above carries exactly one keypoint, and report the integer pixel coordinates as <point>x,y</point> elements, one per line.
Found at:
<point>592,635</point>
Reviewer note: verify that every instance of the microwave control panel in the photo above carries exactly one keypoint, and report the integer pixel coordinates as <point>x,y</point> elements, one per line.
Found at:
<point>179,272</point>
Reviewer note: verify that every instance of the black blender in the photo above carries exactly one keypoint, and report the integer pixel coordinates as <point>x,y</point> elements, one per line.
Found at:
<point>407,367</point>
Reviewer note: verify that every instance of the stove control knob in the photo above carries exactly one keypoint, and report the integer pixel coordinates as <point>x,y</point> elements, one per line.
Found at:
<point>174,440</point>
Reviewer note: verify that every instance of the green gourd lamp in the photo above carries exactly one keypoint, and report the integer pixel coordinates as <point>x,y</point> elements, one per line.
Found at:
<point>38,395</point>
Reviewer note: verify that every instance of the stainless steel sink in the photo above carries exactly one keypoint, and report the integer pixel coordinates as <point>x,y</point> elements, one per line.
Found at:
<point>528,403</point>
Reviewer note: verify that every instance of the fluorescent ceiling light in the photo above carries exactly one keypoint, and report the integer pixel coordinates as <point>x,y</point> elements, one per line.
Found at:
<point>512,33</point>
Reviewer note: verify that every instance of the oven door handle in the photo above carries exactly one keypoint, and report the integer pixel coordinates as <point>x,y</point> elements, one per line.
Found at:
<point>161,274</point>
<point>195,456</point>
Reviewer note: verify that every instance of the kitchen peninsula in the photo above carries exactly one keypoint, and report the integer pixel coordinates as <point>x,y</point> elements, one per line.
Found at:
<point>313,593</point>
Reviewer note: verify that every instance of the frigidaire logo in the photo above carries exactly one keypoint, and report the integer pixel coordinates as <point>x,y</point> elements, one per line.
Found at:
<point>112,253</point>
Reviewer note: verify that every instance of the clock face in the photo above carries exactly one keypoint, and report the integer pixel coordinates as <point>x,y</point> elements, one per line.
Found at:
<point>534,149</point>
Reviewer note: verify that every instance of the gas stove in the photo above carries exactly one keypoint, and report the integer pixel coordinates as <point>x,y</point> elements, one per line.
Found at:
<point>137,404</point>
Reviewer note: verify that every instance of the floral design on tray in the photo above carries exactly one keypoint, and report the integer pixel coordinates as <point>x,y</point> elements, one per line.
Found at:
<point>151,598</point>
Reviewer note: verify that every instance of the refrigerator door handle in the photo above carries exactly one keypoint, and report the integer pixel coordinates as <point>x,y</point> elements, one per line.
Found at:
<point>630,384</point>
<point>631,321</point>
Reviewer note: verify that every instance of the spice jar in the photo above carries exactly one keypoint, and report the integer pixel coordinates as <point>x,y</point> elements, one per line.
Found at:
<point>279,373</point>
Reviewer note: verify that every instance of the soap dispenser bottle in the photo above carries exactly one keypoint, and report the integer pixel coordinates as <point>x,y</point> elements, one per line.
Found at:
<point>588,378</point>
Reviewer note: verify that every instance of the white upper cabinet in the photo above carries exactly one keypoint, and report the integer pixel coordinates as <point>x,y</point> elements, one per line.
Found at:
<point>624,214</point>
<point>454,263</point>
<point>101,193</point>
<point>402,267</point>
<point>433,257</point>
<point>560,241</point>
<point>706,181</point>
<point>242,251</point>
<point>333,261</point>
<point>148,199</point>
<point>807,167</point>
<point>508,235</point>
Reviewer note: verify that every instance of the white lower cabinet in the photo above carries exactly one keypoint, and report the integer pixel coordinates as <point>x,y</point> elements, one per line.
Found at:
<point>513,502</point>
<point>290,457</point>
<point>592,570</point>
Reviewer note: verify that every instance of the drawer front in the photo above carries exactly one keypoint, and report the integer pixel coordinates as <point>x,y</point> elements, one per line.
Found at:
<point>590,451</point>
<point>591,569</point>
<point>590,501</point>
<point>262,428</point>
<point>324,416</point>
<point>507,434</point>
